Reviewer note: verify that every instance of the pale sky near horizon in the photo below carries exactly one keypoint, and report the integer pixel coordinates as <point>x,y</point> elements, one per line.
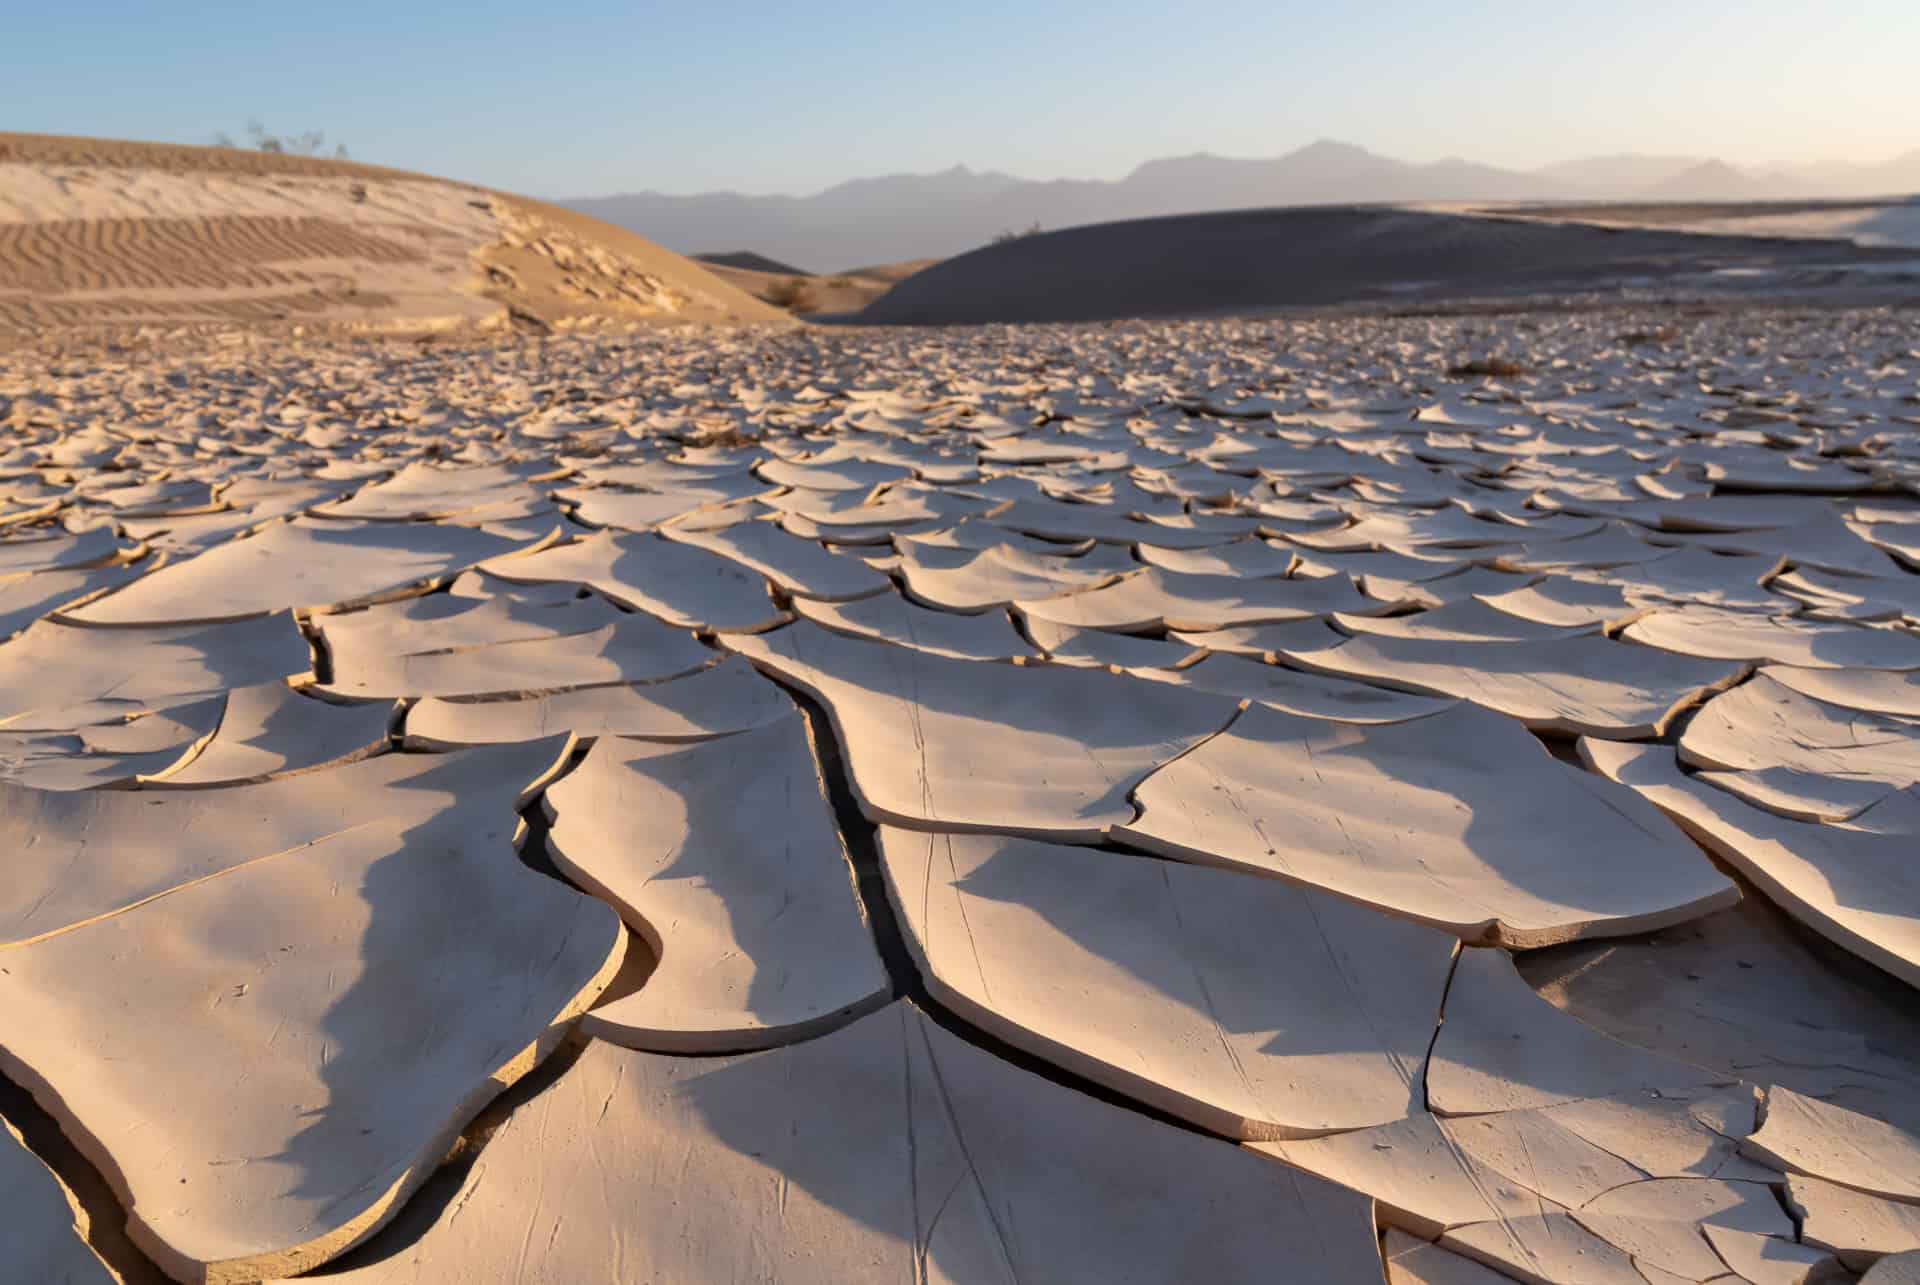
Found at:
<point>593,98</point>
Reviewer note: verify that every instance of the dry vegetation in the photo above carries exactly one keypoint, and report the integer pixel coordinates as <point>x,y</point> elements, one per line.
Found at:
<point>1486,368</point>
<point>791,293</point>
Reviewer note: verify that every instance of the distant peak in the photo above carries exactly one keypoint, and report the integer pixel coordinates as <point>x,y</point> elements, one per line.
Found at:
<point>1164,163</point>
<point>1331,147</point>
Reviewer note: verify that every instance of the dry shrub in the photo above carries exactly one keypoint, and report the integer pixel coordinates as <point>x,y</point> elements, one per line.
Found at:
<point>1494,367</point>
<point>789,293</point>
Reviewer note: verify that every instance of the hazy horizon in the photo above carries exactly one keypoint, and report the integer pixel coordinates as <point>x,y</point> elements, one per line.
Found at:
<point>604,98</point>
<point>935,170</point>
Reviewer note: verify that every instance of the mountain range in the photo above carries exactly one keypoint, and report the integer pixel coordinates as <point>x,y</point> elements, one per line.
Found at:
<point>916,216</point>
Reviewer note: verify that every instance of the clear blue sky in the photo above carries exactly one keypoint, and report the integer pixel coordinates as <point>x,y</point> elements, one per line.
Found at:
<point>559,99</point>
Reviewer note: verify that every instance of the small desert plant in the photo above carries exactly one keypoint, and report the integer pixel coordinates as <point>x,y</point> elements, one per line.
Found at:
<point>788,292</point>
<point>311,143</point>
<point>729,439</point>
<point>1009,234</point>
<point>1495,367</point>
<point>841,283</point>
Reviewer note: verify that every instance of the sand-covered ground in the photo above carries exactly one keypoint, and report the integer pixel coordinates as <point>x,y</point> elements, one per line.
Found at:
<point>94,232</point>
<point>1414,800</point>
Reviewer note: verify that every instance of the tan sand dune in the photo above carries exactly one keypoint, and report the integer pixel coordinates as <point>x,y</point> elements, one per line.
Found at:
<point>1243,260</point>
<point>892,273</point>
<point>97,232</point>
<point>805,293</point>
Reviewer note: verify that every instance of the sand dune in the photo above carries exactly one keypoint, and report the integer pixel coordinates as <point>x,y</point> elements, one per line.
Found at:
<point>893,273</point>
<point>1252,259</point>
<point>806,294</point>
<point>98,232</point>
<point>750,261</point>
<point>1885,223</point>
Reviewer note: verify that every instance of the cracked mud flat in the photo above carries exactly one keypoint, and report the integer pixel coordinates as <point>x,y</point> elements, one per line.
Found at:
<point>1203,801</point>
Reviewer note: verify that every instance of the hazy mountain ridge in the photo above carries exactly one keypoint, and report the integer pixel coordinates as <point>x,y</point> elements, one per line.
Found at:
<point>910,216</point>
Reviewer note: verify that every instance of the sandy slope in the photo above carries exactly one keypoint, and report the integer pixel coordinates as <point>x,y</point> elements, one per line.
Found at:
<point>1245,260</point>
<point>805,294</point>
<point>893,273</point>
<point>1883,223</point>
<point>101,232</point>
<point>808,294</point>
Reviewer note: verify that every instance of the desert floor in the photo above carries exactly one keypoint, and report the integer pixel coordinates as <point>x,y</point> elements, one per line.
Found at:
<point>1352,798</point>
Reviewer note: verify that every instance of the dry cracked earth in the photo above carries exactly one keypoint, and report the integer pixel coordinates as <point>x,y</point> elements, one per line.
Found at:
<point>1217,801</point>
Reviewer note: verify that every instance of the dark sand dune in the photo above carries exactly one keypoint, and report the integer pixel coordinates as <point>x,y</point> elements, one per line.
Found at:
<point>748,261</point>
<point>1247,260</point>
